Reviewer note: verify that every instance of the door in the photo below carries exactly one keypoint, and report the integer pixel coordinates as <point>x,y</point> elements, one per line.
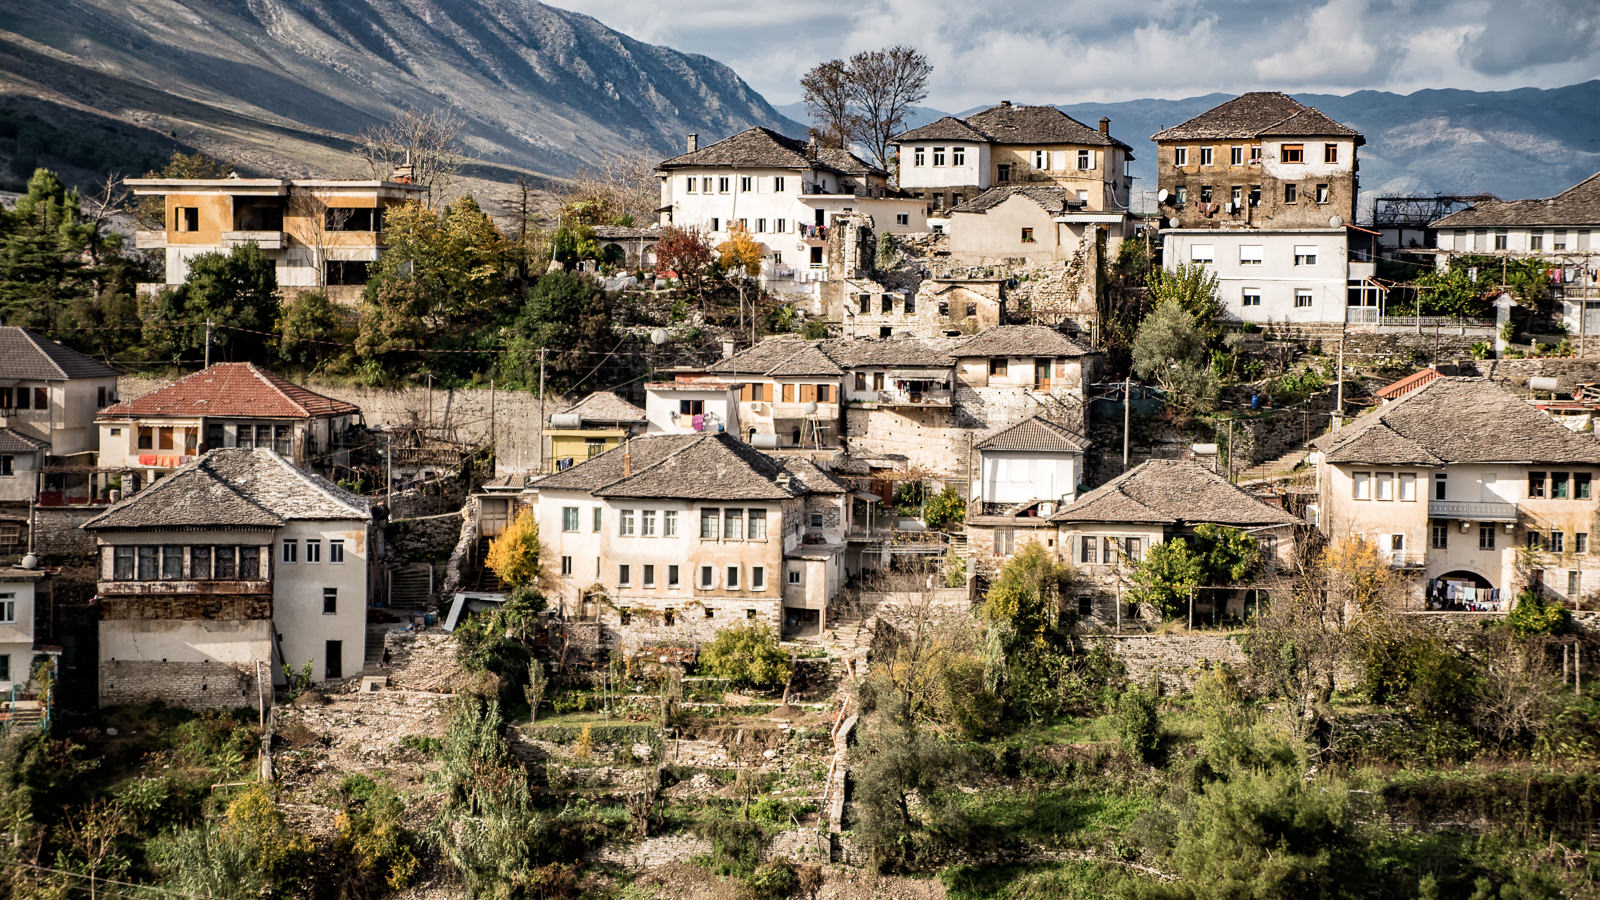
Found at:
<point>821,218</point>
<point>1041,374</point>
<point>333,660</point>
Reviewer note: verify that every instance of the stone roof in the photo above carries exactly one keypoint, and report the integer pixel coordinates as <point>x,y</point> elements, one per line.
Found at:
<point>1577,205</point>
<point>1020,340</point>
<point>1053,200</point>
<point>948,128</point>
<point>779,358</point>
<point>233,390</point>
<point>233,488</point>
<point>763,148</point>
<point>1008,124</point>
<point>13,441</point>
<point>28,356</point>
<point>605,406</point>
<point>1258,114</point>
<point>680,467</point>
<point>1036,435</point>
<point>890,352</point>
<point>1172,492</point>
<point>1457,420</point>
<point>812,477</point>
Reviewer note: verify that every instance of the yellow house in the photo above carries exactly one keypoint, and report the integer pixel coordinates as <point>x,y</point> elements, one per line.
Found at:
<point>597,423</point>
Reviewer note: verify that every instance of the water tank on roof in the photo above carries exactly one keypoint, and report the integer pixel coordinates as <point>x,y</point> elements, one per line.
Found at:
<point>764,441</point>
<point>566,420</point>
<point>1542,383</point>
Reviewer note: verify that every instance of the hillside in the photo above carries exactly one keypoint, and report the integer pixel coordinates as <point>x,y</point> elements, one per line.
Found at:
<point>287,83</point>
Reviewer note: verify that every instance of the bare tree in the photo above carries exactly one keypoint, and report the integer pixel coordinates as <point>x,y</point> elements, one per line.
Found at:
<point>428,142</point>
<point>883,85</point>
<point>826,90</point>
<point>308,222</point>
<point>620,188</point>
<point>94,838</point>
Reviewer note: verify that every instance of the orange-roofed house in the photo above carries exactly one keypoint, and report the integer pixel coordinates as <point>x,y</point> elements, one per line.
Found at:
<point>225,405</point>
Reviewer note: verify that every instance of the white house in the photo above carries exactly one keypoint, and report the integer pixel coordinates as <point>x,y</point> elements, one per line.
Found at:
<point>1282,275</point>
<point>19,589</point>
<point>1025,473</point>
<point>49,395</point>
<point>225,572</point>
<point>688,405</point>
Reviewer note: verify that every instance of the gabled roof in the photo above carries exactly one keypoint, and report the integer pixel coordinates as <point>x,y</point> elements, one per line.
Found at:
<point>779,358</point>
<point>1406,385</point>
<point>232,389</point>
<point>1457,420</point>
<point>25,355</point>
<point>948,128</point>
<point>763,148</point>
<point>606,407</point>
<point>1172,492</point>
<point>1053,200</point>
<point>13,441</point>
<point>680,467</point>
<point>812,477</point>
<point>1020,340</point>
<point>890,352</point>
<point>1006,123</point>
<point>1036,435</point>
<point>233,488</point>
<point>1258,114</point>
<point>1577,205</point>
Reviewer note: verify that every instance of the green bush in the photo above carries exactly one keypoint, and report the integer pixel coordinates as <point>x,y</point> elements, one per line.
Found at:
<point>736,846</point>
<point>1138,724</point>
<point>1535,614</point>
<point>746,656</point>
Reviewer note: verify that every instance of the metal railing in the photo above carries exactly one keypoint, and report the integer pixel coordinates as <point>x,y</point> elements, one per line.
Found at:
<point>1474,510</point>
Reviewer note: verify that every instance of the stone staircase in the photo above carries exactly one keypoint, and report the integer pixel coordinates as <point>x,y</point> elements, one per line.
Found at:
<point>1274,468</point>
<point>410,587</point>
<point>849,633</point>
<point>22,714</point>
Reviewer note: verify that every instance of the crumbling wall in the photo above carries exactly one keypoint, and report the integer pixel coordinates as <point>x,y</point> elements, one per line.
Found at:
<point>928,438</point>
<point>422,661</point>
<point>193,685</point>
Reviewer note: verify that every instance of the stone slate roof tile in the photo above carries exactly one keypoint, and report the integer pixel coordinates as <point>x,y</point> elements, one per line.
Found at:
<point>1577,205</point>
<point>812,477</point>
<point>1258,114</point>
<point>1036,434</point>
<point>13,441</point>
<point>1010,124</point>
<point>1457,420</point>
<point>778,357</point>
<point>763,148</point>
<point>678,466</point>
<point>948,128</point>
<point>1053,200</point>
<point>1173,492</point>
<point>1020,340</point>
<point>25,355</point>
<point>606,407</point>
<point>891,352</point>
<point>239,488</point>
<point>234,390</point>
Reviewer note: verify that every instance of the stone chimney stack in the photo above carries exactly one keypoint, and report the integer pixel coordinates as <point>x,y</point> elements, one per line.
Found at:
<point>1105,125</point>
<point>694,143</point>
<point>727,349</point>
<point>627,460</point>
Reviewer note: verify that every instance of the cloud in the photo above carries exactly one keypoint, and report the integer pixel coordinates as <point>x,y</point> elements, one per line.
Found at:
<point>1511,39</point>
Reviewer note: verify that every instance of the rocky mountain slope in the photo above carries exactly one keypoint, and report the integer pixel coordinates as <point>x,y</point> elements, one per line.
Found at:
<point>287,83</point>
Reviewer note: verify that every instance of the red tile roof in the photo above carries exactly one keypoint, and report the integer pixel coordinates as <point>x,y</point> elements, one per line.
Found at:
<point>234,390</point>
<point>1407,384</point>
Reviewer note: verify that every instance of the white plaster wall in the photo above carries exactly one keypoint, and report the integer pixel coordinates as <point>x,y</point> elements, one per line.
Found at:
<point>16,637</point>
<point>297,590</point>
<point>1016,477</point>
<point>696,210</point>
<point>1276,277</point>
<point>1272,159</point>
<point>975,171</point>
<point>228,641</point>
<point>721,408</point>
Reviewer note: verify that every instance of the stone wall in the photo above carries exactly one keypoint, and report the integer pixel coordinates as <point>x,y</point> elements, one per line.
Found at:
<point>1176,660</point>
<point>194,685</point>
<point>422,661</point>
<point>908,610</point>
<point>692,623</point>
<point>1395,348</point>
<point>1518,371</point>
<point>1274,432</point>
<point>925,436</point>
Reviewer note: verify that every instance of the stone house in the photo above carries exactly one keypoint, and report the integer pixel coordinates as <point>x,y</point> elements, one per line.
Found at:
<point>1032,222</point>
<point>900,405</point>
<point>226,405</point>
<point>628,246</point>
<point>789,394</point>
<point>320,235</point>
<point>1025,473</point>
<point>590,427</point>
<point>1009,373</point>
<point>49,395</point>
<point>225,571</point>
<point>1106,532</point>
<point>1563,230</point>
<point>671,537</point>
<point>1451,480</point>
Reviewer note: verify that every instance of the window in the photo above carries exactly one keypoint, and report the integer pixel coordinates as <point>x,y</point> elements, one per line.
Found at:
<point>816,520</point>
<point>779,226</point>
<point>716,224</point>
<point>1558,542</point>
<point>972,309</point>
<point>625,523</point>
<point>291,550</point>
<point>938,156</point>
<point>1086,550</point>
<point>330,601</point>
<point>689,184</point>
<point>1572,582</point>
<point>705,185</point>
<point>1560,485</point>
<point>186,218</point>
<point>171,563</point>
<point>1536,484</point>
<point>122,563</point>
<point>919,157</point>
<point>1249,296</point>
<point>5,667</point>
<point>8,608</point>
<point>672,576</point>
<point>1408,487</point>
<point>722,184</point>
<point>199,563</point>
<point>333,659</point>
<point>667,618</point>
<point>1305,254</point>
<point>1205,156</point>
<point>1383,486</point>
<point>649,576</point>
<point>1205,193</point>
<point>1486,536</point>
<point>1085,160</point>
<point>706,578</point>
<point>794,576</point>
<point>594,524</point>
<point>1235,156</point>
<point>1580,542</point>
<point>997,367</point>
<point>744,183</point>
<point>1041,159</point>
<point>958,156</point>
<point>335,551</point>
<point>147,438</point>
<point>1302,299</point>
<point>1559,240</point>
<point>777,187</point>
<point>1293,153</point>
<point>344,271</point>
<point>624,575</point>
<point>1180,156</point>
<point>1027,235</point>
<point>1132,548</point>
<point>352,219</point>
<point>1440,483</point>
<point>1323,195</point>
<point>1236,197</point>
<point>647,523</point>
<point>569,518</point>
<point>1108,550</point>
<point>1580,485</point>
<point>313,550</point>
<point>1180,196</point>
<point>1085,606</point>
<point>733,578</point>
<point>1330,153</point>
<point>1203,254</point>
<point>758,524</point>
<point>249,563</point>
<point>1291,193</point>
<point>669,524</point>
<point>1250,255</point>
<point>733,524</point>
<point>1536,240</point>
<point>761,226</point>
<point>1397,543</point>
<point>566,565</point>
<point>1535,540</point>
<point>708,524</point>
<point>758,578</point>
<point>1500,239</point>
<point>887,304</point>
<point>1361,486</point>
<point>225,563</point>
<point>8,466</point>
<point>1440,539</point>
<point>902,218</point>
<point>1255,195</point>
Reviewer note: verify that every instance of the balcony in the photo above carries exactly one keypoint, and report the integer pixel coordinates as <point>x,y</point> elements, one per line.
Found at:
<point>266,240</point>
<point>1406,559</point>
<point>903,398</point>
<point>1473,510</point>
<point>247,587</point>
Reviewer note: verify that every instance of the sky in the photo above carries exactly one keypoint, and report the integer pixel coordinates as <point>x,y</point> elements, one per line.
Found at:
<point>1073,51</point>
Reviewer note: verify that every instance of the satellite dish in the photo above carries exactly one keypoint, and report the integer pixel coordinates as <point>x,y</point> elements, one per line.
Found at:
<point>1336,221</point>
<point>1172,222</point>
<point>1161,195</point>
<point>809,409</point>
<point>658,337</point>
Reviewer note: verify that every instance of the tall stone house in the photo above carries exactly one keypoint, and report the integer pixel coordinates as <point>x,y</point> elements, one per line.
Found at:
<point>220,575</point>
<point>319,234</point>
<point>1468,490</point>
<point>1262,190</point>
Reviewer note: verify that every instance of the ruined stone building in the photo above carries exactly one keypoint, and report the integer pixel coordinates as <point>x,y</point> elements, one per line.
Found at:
<point>1262,190</point>
<point>227,571</point>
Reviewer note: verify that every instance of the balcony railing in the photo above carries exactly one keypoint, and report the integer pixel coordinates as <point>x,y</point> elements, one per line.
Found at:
<point>905,398</point>
<point>1473,510</point>
<point>1406,559</point>
<point>266,240</point>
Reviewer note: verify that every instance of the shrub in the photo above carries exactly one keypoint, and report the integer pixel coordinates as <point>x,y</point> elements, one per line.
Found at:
<point>1536,615</point>
<point>1138,724</point>
<point>944,510</point>
<point>746,656</point>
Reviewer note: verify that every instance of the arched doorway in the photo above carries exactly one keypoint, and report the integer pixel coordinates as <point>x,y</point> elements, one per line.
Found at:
<point>1463,590</point>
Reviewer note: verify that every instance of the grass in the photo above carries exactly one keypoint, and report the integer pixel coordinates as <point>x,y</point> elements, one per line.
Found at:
<point>1074,880</point>
<point>1061,816</point>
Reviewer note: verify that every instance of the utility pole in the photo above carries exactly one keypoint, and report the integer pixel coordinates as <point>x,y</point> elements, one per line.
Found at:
<point>542,352</point>
<point>208,343</point>
<point>1127,417</point>
<point>388,474</point>
<point>430,399</point>
<point>492,442</point>
<point>1338,406</point>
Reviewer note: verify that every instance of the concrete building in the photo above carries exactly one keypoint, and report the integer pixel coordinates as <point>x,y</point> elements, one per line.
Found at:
<point>320,235</point>
<point>590,427</point>
<point>49,395</point>
<point>225,572</point>
<point>226,405</point>
<point>671,537</point>
<point>21,627</point>
<point>690,404</point>
<point>1283,276</point>
<point>1563,230</point>
<point>1038,222</point>
<point>1450,480</point>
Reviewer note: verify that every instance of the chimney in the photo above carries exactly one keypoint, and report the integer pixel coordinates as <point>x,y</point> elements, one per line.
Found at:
<point>694,143</point>
<point>1105,125</point>
<point>627,460</point>
<point>727,349</point>
<point>1005,102</point>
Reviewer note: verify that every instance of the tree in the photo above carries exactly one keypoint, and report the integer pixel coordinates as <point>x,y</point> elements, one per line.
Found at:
<point>683,253</point>
<point>618,189</point>
<point>1169,349</point>
<point>826,91</point>
<point>93,839</point>
<point>741,258</point>
<point>427,141</point>
<point>312,330</point>
<point>514,555</point>
<point>41,266</point>
<point>944,510</point>
<point>569,315</point>
<point>905,790</point>
<point>1193,287</point>
<point>883,86</point>
<point>237,289</point>
<point>1171,571</point>
<point>151,212</point>
<point>746,656</point>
